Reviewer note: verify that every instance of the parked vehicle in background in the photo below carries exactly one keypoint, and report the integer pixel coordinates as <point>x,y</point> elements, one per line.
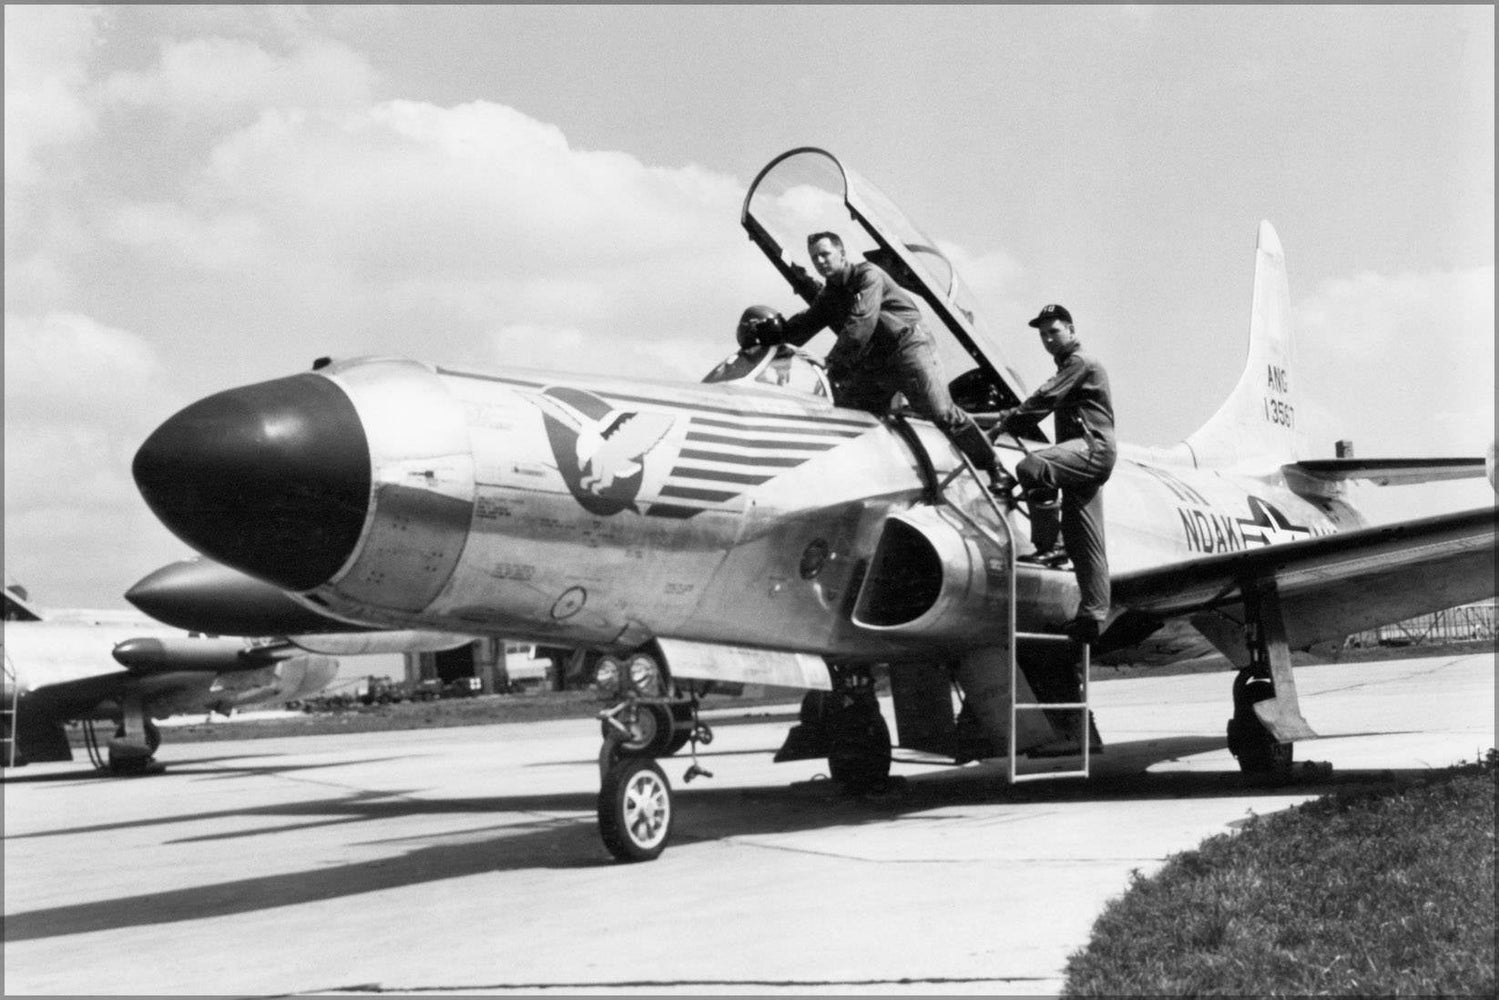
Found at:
<point>462,687</point>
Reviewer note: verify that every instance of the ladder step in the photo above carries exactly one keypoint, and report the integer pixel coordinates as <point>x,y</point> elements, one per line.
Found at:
<point>1051,637</point>
<point>1020,776</point>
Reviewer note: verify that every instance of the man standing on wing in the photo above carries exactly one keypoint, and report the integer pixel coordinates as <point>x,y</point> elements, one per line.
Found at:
<point>882,347</point>
<point>1078,464</point>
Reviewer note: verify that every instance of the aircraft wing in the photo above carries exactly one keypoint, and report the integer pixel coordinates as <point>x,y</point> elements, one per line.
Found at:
<point>171,692</point>
<point>1333,585</point>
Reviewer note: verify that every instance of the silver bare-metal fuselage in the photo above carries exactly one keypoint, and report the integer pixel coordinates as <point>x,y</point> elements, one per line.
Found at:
<point>605,512</point>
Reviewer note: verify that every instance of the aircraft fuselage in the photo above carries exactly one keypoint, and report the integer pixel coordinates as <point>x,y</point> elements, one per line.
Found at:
<point>578,510</point>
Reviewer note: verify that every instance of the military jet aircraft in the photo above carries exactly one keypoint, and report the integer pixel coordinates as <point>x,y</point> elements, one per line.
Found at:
<point>746,529</point>
<point>56,672</point>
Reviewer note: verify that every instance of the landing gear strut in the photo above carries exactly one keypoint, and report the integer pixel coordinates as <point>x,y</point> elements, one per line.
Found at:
<point>1267,716</point>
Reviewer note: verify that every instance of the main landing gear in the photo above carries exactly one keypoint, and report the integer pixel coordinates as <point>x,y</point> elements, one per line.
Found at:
<point>1267,716</point>
<point>1256,749</point>
<point>133,748</point>
<point>846,726</point>
<point>647,720</point>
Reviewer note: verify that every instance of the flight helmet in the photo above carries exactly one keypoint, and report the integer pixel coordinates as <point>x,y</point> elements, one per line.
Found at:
<point>759,325</point>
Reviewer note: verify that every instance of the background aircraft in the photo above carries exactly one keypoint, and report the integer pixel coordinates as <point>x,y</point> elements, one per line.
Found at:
<point>62,666</point>
<point>758,534</point>
<point>56,669</point>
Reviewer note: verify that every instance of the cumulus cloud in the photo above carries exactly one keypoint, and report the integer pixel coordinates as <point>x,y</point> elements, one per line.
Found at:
<point>421,189</point>
<point>421,227</point>
<point>70,366</point>
<point>77,398</point>
<point>46,104</point>
<point>223,76</point>
<point>212,242</point>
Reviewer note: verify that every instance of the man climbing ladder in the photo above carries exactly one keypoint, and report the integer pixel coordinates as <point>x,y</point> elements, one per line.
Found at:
<point>1078,465</point>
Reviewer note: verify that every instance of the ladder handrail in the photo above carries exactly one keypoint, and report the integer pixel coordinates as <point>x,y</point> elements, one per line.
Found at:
<point>10,706</point>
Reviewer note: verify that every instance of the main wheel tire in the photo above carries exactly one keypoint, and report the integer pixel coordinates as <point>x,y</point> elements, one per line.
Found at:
<point>1257,751</point>
<point>127,760</point>
<point>635,810</point>
<point>859,758</point>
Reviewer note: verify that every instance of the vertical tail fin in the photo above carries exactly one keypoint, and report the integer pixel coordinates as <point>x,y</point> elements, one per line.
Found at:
<point>1256,425</point>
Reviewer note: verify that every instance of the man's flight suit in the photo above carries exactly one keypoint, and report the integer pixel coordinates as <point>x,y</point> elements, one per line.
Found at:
<point>1078,464</point>
<point>882,349</point>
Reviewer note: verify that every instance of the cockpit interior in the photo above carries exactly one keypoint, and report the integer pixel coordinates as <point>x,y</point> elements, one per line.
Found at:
<point>779,367</point>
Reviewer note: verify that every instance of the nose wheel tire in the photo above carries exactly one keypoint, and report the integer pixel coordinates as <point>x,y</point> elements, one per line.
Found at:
<point>635,810</point>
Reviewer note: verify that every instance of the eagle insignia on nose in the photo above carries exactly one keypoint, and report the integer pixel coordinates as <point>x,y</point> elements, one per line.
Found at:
<point>600,450</point>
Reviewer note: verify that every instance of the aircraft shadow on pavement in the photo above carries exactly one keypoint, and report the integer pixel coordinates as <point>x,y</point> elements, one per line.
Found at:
<point>212,767</point>
<point>558,831</point>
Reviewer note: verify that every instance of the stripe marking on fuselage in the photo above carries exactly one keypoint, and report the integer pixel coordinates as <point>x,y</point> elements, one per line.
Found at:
<point>744,440</point>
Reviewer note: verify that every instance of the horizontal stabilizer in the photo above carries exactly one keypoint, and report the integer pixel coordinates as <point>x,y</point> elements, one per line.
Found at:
<point>1389,471</point>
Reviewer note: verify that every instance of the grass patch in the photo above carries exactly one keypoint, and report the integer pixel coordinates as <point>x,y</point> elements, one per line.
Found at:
<point>1387,893</point>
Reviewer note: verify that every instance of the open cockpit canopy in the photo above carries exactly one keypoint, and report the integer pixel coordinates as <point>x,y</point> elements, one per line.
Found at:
<point>807,191</point>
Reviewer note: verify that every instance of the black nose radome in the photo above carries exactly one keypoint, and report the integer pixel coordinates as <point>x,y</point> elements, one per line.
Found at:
<point>271,479</point>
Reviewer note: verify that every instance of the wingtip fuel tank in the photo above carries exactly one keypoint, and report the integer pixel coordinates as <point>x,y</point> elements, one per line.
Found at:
<point>200,595</point>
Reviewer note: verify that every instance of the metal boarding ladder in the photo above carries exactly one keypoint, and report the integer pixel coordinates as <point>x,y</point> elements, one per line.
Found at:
<point>8,737</point>
<point>1083,666</point>
<point>1085,730</point>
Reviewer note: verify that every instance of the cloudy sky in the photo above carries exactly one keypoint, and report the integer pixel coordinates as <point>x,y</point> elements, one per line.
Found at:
<point>202,197</point>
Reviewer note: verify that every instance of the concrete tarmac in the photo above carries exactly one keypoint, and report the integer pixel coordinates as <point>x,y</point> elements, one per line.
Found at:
<point>467,861</point>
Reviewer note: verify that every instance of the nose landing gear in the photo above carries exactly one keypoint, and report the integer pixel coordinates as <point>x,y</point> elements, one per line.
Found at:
<point>635,808</point>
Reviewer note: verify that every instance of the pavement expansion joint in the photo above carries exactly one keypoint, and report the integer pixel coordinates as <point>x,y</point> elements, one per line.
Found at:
<point>665,984</point>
